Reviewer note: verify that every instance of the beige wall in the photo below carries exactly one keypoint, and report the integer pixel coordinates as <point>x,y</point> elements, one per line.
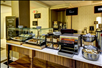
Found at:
<point>15,8</point>
<point>3,24</point>
<point>85,17</point>
<point>44,20</point>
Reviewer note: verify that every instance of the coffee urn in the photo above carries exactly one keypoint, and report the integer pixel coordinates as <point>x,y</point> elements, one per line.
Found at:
<point>99,39</point>
<point>99,36</point>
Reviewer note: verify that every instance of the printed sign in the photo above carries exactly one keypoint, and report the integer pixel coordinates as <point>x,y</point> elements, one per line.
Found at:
<point>98,9</point>
<point>72,11</point>
<point>37,15</point>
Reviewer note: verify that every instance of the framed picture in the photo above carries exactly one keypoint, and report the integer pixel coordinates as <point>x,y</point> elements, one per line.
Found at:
<point>37,15</point>
<point>35,23</point>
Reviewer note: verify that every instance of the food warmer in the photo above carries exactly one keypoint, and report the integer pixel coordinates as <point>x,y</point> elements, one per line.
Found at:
<point>69,44</point>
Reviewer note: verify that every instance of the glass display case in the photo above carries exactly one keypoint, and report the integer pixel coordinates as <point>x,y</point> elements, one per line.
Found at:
<point>20,34</point>
<point>39,36</point>
<point>31,36</point>
<point>52,41</point>
<point>14,34</point>
<point>35,40</point>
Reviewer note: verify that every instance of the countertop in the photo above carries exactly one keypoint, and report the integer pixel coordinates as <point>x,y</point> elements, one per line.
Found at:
<point>75,57</point>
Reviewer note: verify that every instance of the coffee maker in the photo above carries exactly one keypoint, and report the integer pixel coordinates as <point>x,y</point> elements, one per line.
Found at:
<point>99,36</point>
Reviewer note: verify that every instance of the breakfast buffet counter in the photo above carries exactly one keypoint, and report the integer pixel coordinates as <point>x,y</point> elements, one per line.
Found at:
<point>55,53</point>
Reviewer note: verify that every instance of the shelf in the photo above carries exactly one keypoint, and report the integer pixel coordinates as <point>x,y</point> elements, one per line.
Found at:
<point>38,38</point>
<point>52,42</point>
<point>23,62</point>
<point>52,48</point>
<point>56,42</point>
<point>48,42</point>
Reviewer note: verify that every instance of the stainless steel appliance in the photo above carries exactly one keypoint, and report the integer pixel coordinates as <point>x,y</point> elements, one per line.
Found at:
<point>99,39</point>
<point>69,44</point>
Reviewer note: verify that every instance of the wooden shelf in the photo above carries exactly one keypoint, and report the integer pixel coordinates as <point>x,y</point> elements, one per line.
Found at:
<point>23,62</point>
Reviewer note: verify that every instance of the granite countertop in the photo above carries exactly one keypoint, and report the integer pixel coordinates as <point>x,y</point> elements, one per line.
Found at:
<point>75,57</point>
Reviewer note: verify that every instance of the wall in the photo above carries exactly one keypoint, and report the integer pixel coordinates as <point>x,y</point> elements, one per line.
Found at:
<point>3,24</point>
<point>15,4</point>
<point>44,20</point>
<point>85,17</point>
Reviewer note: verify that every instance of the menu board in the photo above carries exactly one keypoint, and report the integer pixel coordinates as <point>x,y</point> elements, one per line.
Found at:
<point>10,23</point>
<point>37,15</point>
<point>98,9</point>
<point>72,11</point>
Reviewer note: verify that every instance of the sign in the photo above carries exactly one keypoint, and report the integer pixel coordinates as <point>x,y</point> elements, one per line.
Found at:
<point>35,23</point>
<point>72,11</point>
<point>98,9</point>
<point>37,15</point>
<point>35,11</point>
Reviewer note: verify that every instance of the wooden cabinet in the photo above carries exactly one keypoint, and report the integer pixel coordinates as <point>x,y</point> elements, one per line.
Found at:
<point>44,60</point>
<point>85,65</point>
<point>55,59</point>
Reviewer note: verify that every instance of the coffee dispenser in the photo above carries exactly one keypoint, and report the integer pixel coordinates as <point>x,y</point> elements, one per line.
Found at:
<point>99,39</point>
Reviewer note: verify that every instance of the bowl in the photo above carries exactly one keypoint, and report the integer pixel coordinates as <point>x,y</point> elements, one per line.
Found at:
<point>90,52</point>
<point>88,39</point>
<point>93,57</point>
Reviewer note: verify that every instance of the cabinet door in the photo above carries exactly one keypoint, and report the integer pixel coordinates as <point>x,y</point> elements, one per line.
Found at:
<point>85,65</point>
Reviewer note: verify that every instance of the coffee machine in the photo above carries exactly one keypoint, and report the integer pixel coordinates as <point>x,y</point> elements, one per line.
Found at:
<point>99,39</point>
<point>99,36</point>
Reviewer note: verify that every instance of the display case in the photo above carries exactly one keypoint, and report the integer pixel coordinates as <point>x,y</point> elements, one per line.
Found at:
<point>29,36</point>
<point>52,41</point>
<point>38,41</point>
<point>20,34</point>
<point>39,38</point>
<point>14,34</point>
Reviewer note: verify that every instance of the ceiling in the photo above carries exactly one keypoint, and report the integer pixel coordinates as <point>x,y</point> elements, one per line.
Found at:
<point>37,4</point>
<point>49,3</point>
<point>6,2</point>
<point>52,3</point>
<point>73,3</point>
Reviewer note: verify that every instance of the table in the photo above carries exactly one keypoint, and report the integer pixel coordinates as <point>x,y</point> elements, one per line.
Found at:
<point>50,55</point>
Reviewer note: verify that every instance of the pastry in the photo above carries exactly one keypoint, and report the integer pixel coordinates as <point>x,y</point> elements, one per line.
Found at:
<point>32,40</point>
<point>55,46</point>
<point>49,44</point>
<point>16,37</point>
